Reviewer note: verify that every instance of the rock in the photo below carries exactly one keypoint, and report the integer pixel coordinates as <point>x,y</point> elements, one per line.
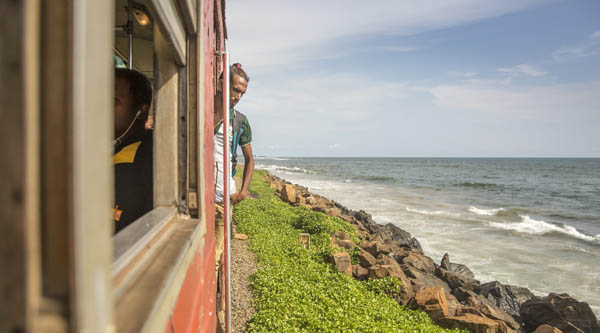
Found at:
<point>420,262</point>
<point>485,307</point>
<point>456,281</point>
<point>301,200</point>
<point>288,193</point>
<point>401,236</point>
<point>460,270</point>
<point>560,311</point>
<point>508,298</point>
<point>379,271</point>
<point>432,301</point>
<point>366,259</point>
<point>346,244</point>
<point>332,211</point>
<point>471,322</point>
<point>376,248</point>
<point>389,267</point>
<point>360,273</point>
<point>318,207</point>
<point>240,236</point>
<point>547,329</point>
<point>420,279</point>
<point>363,216</point>
<point>453,305</point>
<point>342,235</point>
<point>342,262</point>
<point>310,200</point>
<point>273,185</point>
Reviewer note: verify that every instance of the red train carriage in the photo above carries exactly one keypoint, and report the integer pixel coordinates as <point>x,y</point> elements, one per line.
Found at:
<point>63,269</point>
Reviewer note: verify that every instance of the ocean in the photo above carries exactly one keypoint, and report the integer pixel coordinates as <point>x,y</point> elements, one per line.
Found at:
<point>527,222</point>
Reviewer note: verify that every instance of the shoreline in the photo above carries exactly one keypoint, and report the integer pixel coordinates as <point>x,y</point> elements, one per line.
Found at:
<point>463,292</point>
<point>502,233</point>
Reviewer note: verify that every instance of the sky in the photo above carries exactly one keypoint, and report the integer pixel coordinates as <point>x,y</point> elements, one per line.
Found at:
<point>446,78</point>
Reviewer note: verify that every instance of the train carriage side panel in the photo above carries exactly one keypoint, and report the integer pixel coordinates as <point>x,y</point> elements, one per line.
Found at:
<point>195,310</point>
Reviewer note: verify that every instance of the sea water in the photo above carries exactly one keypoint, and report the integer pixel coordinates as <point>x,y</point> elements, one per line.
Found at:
<point>527,222</point>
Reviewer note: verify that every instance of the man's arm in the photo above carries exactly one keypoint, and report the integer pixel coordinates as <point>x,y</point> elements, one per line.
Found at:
<point>248,172</point>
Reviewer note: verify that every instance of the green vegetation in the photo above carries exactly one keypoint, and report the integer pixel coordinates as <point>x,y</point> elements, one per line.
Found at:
<point>298,290</point>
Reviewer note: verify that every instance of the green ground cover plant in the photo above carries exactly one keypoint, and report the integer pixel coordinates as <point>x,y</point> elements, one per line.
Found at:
<point>298,290</point>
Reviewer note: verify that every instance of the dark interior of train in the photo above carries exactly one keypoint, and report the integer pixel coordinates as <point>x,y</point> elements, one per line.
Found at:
<point>133,49</point>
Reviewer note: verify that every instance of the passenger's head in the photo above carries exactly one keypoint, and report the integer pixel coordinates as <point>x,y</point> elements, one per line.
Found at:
<point>133,94</point>
<point>239,83</point>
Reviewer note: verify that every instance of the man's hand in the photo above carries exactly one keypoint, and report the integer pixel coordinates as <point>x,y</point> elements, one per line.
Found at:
<point>237,197</point>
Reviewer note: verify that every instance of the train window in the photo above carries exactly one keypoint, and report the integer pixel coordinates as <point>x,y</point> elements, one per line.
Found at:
<point>161,51</point>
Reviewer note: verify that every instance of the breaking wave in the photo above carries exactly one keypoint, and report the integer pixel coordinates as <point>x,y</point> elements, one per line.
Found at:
<point>539,227</point>
<point>485,212</point>
<point>432,212</point>
<point>283,168</point>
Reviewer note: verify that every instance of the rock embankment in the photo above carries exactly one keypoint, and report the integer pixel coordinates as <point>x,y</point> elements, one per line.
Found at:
<point>448,292</point>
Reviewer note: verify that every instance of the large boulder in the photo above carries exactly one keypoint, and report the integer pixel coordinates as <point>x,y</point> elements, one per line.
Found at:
<point>342,262</point>
<point>288,193</point>
<point>508,298</point>
<point>395,270</point>
<point>460,270</point>
<point>432,301</point>
<point>404,238</point>
<point>376,248</point>
<point>366,259</point>
<point>471,322</point>
<point>360,273</point>
<point>364,217</point>
<point>561,311</point>
<point>485,307</point>
<point>419,279</point>
<point>456,281</point>
<point>420,262</point>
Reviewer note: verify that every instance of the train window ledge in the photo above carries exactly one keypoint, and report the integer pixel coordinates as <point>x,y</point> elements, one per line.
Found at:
<point>150,269</point>
<point>131,241</point>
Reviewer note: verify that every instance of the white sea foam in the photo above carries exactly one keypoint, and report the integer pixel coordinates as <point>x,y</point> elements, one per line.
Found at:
<point>273,168</point>
<point>485,212</point>
<point>432,212</point>
<point>540,227</point>
<point>271,158</point>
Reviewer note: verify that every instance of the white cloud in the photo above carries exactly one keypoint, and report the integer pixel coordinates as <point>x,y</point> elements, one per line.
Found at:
<point>560,101</point>
<point>588,48</point>
<point>271,32</point>
<point>523,69</point>
<point>335,146</point>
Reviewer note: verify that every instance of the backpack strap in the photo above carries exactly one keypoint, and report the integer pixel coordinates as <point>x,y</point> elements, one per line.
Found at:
<point>238,118</point>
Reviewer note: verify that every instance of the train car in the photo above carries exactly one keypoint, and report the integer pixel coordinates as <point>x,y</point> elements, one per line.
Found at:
<point>63,268</point>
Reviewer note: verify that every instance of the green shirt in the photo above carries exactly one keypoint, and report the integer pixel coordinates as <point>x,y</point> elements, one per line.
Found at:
<point>246,136</point>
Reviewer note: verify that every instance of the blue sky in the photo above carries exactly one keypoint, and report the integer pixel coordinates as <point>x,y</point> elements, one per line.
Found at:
<point>465,78</point>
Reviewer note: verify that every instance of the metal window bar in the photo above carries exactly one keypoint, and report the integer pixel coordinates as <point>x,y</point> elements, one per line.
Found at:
<point>226,180</point>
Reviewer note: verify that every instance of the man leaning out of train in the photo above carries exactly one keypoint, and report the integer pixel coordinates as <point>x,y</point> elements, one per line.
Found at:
<point>132,146</point>
<point>240,135</point>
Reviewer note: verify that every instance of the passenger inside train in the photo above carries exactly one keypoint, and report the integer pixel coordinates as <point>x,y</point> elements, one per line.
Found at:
<point>132,157</point>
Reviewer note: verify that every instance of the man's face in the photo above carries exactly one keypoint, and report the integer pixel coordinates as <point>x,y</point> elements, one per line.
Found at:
<point>238,89</point>
<point>124,112</point>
